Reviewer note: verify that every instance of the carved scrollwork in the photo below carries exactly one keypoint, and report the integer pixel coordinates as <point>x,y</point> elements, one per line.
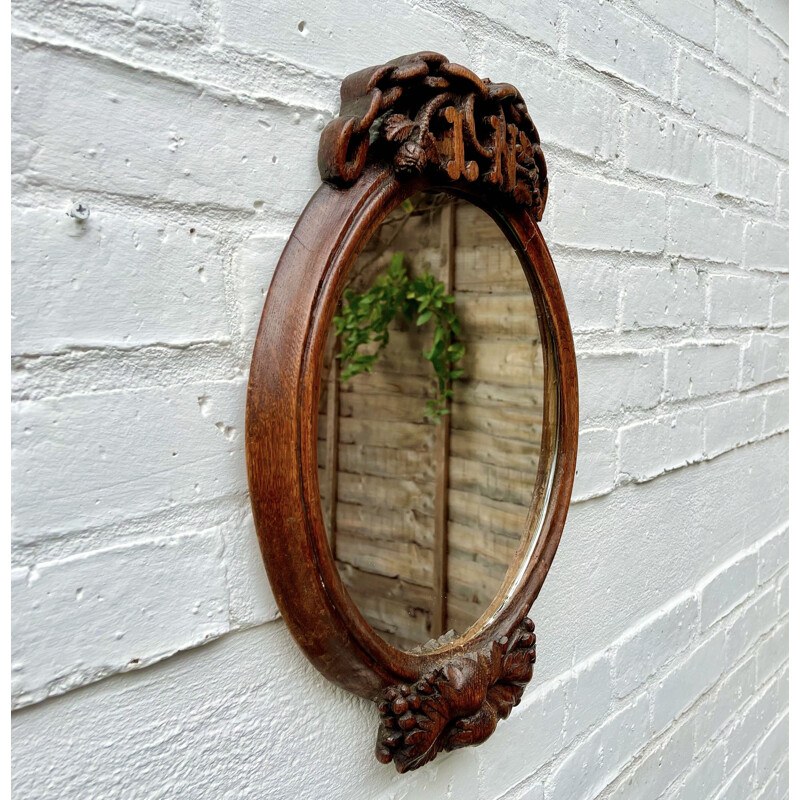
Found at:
<point>423,113</point>
<point>457,704</point>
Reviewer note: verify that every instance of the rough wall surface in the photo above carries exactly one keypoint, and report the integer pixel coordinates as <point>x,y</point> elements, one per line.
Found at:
<point>141,613</point>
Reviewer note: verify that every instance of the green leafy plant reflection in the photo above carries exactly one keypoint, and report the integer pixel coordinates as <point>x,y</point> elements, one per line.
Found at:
<point>366,317</point>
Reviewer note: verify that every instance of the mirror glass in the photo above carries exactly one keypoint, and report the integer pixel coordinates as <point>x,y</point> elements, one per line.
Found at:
<point>430,421</point>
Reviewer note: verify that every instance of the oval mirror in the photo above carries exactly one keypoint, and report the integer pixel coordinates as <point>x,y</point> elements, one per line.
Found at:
<point>430,421</point>
<point>412,410</point>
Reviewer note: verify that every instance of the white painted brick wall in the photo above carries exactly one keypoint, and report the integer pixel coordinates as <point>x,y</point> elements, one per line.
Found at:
<point>189,128</point>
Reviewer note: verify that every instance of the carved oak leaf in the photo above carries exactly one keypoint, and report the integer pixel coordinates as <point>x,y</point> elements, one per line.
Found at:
<point>396,126</point>
<point>457,704</point>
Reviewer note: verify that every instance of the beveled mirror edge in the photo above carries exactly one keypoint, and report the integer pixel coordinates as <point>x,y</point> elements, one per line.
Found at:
<point>281,456</point>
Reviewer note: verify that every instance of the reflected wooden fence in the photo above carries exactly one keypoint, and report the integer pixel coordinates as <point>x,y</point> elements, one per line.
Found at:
<point>424,519</point>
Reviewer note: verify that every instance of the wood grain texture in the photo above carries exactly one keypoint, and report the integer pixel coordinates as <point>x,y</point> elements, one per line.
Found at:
<point>284,392</point>
<point>442,447</point>
<point>332,443</point>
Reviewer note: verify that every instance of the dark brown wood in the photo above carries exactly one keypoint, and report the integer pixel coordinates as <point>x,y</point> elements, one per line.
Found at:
<point>417,722</point>
<point>442,450</point>
<point>286,371</point>
<point>434,115</point>
<point>332,443</point>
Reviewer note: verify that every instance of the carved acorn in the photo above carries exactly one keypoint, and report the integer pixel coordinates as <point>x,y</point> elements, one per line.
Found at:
<point>410,158</point>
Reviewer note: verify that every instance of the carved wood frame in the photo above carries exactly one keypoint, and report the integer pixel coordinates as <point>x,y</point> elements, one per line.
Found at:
<point>396,136</point>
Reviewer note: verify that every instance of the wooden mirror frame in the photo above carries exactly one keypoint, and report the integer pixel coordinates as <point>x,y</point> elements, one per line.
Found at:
<point>419,123</point>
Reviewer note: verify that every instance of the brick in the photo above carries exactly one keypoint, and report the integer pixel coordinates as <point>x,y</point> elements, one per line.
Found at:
<point>770,129</point>
<point>732,165</point>
<point>258,149</point>
<point>666,148</point>
<point>775,15</point>
<point>752,724</point>
<point>612,382</point>
<point>783,191</point>
<point>781,90</point>
<point>779,313</point>
<point>763,179</point>
<point>782,596</point>
<point>112,282</point>
<point>772,750</point>
<point>707,775</point>
<point>539,721</point>
<point>508,13</point>
<point>781,779</point>
<point>772,653</point>
<point>776,411</point>
<point>254,263</point>
<point>738,301</point>
<point>750,625</point>
<point>649,449</point>
<point>652,643</point>
<point>174,13</point>
<point>168,446</point>
<point>694,370</point>
<point>591,290</point>
<point>596,471</point>
<point>680,687</point>
<point>588,697</point>
<point>766,246</point>
<point>631,219</point>
<point>611,41</point>
<point>453,777</point>
<point>656,771</point>
<point>251,601</point>
<point>765,358</point>
<point>662,298</point>
<point>113,610</point>
<point>732,423</point>
<point>744,174</point>
<point>692,19</point>
<point>783,686</point>
<point>747,51</point>
<point>740,786</point>
<point>723,703</point>
<point>597,761</point>
<point>535,792</point>
<point>712,97</point>
<point>572,112</point>
<point>314,35</point>
<point>777,786</point>
<point>773,555</point>
<point>125,6</point>
<point>727,588</point>
<point>171,12</point>
<point>698,230</point>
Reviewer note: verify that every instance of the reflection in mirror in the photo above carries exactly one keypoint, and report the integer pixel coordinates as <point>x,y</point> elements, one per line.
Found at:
<point>430,420</point>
